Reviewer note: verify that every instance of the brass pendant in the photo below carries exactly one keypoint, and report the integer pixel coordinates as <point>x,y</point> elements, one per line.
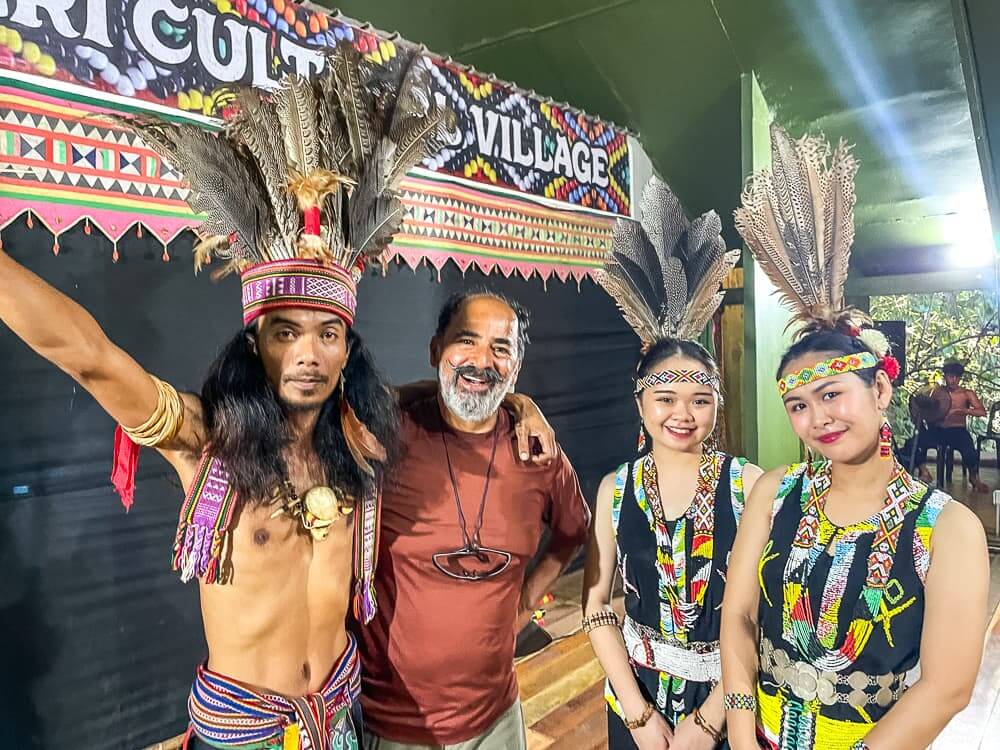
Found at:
<point>324,507</point>
<point>321,508</point>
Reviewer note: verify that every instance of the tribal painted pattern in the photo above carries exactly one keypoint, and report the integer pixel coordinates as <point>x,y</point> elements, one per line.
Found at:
<point>835,366</point>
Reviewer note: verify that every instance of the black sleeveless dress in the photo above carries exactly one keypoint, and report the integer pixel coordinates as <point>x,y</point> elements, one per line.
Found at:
<point>668,568</point>
<point>841,610</point>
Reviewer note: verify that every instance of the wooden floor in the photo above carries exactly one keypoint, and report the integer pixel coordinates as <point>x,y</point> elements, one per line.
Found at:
<point>562,687</point>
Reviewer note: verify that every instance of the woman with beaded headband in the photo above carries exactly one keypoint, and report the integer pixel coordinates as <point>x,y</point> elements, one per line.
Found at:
<point>666,521</point>
<point>847,571</point>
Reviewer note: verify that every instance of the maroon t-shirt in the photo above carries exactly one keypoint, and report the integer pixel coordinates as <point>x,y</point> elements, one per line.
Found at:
<point>438,659</point>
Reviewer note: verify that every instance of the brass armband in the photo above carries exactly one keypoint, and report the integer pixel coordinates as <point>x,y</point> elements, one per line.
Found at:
<point>165,421</point>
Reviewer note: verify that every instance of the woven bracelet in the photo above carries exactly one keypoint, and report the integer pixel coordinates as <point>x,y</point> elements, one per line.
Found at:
<point>739,702</point>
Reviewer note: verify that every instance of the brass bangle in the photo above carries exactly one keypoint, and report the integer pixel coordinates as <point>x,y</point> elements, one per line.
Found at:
<point>600,619</point>
<point>647,712</point>
<point>165,421</point>
<point>702,723</point>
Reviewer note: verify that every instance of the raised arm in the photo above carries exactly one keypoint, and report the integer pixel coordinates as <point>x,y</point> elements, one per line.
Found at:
<point>740,630</point>
<point>951,643</point>
<point>64,333</point>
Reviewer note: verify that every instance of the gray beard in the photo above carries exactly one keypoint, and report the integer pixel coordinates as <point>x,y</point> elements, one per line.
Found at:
<point>470,407</point>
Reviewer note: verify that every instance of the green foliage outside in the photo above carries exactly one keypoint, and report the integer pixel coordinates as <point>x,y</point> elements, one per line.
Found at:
<point>940,326</point>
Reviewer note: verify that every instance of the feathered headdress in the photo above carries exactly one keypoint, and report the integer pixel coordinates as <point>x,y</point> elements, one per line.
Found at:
<point>798,220</point>
<point>664,272</point>
<point>300,189</point>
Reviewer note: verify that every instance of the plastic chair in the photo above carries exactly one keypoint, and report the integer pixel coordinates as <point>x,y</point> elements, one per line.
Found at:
<point>992,429</point>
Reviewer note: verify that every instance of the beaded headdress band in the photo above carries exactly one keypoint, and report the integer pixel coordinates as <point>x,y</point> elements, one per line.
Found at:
<point>797,218</point>
<point>665,377</point>
<point>665,272</point>
<point>835,366</point>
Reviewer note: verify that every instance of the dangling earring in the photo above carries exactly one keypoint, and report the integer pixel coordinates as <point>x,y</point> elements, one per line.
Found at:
<point>711,443</point>
<point>885,440</point>
<point>642,439</point>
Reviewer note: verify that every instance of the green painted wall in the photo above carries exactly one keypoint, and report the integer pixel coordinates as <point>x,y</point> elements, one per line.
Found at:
<point>768,439</point>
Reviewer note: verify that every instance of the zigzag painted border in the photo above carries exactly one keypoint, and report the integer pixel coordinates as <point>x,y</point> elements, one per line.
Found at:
<point>65,165</point>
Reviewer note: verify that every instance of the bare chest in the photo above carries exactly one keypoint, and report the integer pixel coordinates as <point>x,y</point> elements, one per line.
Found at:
<point>267,546</point>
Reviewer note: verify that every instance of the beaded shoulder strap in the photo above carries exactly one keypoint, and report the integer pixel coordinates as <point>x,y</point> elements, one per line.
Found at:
<point>924,529</point>
<point>792,475</point>
<point>621,479</point>
<point>736,493</point>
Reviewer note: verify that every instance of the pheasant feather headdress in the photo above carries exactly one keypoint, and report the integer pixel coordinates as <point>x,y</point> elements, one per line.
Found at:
<point>665,272</point>
<point>798,220</point>
<point>300,189</point>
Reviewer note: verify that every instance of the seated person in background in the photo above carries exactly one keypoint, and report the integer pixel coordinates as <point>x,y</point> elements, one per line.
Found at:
<point>952,430</point>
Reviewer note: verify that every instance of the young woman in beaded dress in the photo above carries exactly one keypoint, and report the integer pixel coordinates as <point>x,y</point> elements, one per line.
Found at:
<point>847,572</point>
<point>666,521</point>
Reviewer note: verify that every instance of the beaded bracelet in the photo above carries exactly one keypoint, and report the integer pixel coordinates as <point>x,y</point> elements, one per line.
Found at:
<point>860,745</point>
<point>642,720</point>
<point>707,728</point>
<point>599,619</point>
<point>739,701</point>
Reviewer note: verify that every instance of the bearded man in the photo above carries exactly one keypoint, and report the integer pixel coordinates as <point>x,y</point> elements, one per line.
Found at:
<point>463,515</point>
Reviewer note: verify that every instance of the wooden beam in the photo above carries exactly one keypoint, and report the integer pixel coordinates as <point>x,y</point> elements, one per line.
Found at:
<point>764,319</point>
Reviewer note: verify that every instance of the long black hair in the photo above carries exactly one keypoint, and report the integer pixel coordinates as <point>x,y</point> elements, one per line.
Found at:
<point>248,428</point>
<point>827,340</point>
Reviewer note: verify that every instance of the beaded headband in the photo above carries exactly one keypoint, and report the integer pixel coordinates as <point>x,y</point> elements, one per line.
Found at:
<point>664,377</point>
<point>835,366</point>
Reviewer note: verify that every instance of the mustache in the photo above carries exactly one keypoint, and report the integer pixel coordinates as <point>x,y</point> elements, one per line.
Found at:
<point>312,377</point>
<point>490,375</point>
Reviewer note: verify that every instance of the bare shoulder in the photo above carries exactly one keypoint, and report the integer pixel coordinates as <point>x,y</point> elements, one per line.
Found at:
<point>767,483</point>
<point>751,475</point>
<point>607,484</point>
<point>958,526</point>
<point>606,489</point>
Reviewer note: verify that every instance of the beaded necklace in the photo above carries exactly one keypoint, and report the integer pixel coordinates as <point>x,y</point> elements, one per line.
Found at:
<point>679,611</point>
<point>816,535</point>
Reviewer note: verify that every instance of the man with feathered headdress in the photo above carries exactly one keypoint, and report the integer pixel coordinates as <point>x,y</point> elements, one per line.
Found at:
<point>282,454</point>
